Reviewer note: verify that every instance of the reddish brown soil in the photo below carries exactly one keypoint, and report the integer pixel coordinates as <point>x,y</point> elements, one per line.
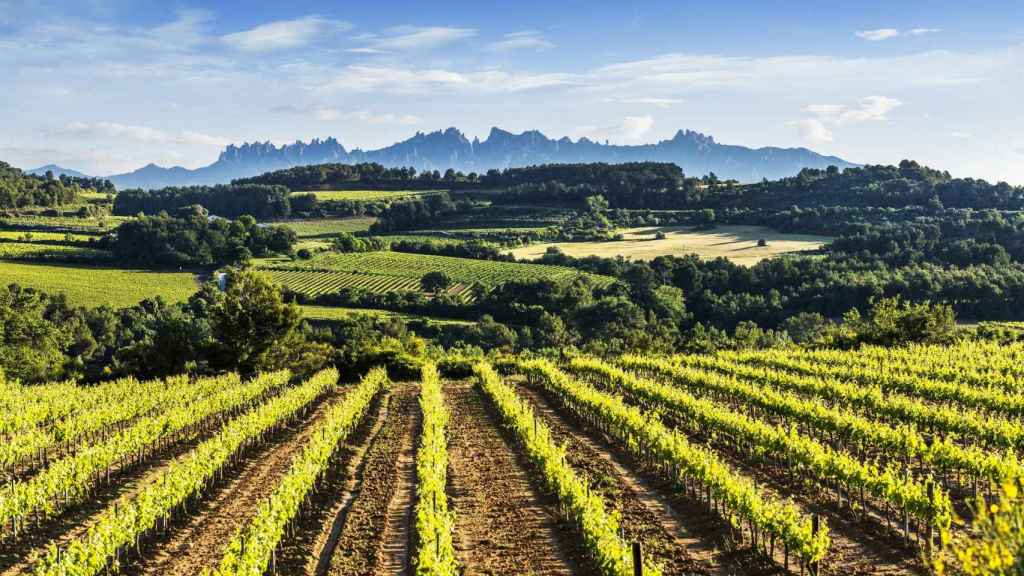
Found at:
<point>197,541</point>
<point>687,541</point>
<point>76,521</point>
<point>504,524</point>
<point>371,536</point>
<point>308,550</point>
<point>858,548</point>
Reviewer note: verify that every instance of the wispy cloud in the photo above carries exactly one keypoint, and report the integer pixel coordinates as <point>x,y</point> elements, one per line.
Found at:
<point>418,38</point>
<point>404,80</point>
<point>328,113</point>
<point>140,134</point>
<point>285,34</point>
<point>649,101</point>
<point>818,127</point>
<point>887,33</point>
<point>814,130</point>
<point>524,40</point>
<point>631,129</point>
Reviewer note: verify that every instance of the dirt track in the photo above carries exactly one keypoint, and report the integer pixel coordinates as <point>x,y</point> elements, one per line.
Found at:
<point>504,525</point>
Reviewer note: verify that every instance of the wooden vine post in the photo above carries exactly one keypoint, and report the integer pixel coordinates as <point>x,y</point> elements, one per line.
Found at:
<point>638,564</point>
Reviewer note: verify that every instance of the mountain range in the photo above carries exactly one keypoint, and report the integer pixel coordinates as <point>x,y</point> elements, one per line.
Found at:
<point>57,171</point>
<point>697,154</point>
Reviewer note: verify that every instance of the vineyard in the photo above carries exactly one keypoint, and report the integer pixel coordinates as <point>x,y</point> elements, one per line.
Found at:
<point>874,461</point>
<point>60,252</point>
<point>414,266</point>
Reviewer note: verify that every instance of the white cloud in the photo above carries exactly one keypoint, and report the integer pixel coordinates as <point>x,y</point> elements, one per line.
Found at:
<point>649,101</point>
<point>631,129</point>
<point>525,40</point>
<point>634,127</point>
<point>285,34</point>
<point>959,135</point>
<point>362,78</point>
<point>887,33</point>
<point>417,38</point>
<point>386,118</point>
<point>880,34</point>
<point>814,130</point>
<point>140,134</point>
<point>824,117</point>
<point>869,108</point>
<point>327,114</point>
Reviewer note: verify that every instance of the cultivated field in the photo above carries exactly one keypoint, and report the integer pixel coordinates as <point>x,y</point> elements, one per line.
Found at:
<point>95,286</point>
<point>72,223</point>
<point>737,243</point>
<point>329,313</point>
<point>383,272</point>
<point>62,252</point>
<point>367,195</point>
<point>327,228</point>
<point>744,463</point>
<point>46,237</point>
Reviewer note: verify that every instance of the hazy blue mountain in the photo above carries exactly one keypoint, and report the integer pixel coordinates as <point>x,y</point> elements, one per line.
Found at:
<point>696,153</point>
<point>57,171</point>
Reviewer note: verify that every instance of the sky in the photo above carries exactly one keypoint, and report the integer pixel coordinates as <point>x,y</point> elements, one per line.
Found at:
<point>106,86</point>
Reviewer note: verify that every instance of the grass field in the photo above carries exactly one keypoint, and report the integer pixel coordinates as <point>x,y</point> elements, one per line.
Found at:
<point>32,251</point>
<point>97,225</point>
<point>328,313</point>
<point>311,229</point>
<point>368,195</point>
<point>414,266</point>
<point>47,237</point>
<point>737,243</point>
<point>93,286</point>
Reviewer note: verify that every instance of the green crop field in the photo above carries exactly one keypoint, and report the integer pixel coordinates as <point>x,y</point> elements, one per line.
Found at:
<point>309,229</point>
<point>368,195</point>
<point>47,237</point>
<point>93,286</point>
<point>414,266</point>
<point>27,251</point>
<point>328,313</point>
<point>97,225</point>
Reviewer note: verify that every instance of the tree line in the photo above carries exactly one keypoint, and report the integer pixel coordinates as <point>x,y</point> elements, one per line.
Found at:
<point>20,190</point>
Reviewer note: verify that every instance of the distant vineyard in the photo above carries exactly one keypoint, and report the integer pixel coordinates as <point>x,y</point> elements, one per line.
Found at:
<point>315,283</point>
<point>367,195</point>
<point>865,462</point>
<point>327,228</point>
<point>43,237</point>
<point>33,251</point>
<point>414,266</point>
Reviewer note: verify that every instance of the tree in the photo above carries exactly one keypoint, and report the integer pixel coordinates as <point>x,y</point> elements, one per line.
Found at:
<point>31,347</point>
<point>435,282</point>
<point>248,320</point>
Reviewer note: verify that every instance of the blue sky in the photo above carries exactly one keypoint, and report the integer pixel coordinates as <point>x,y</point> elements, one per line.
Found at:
<point>108,85</point>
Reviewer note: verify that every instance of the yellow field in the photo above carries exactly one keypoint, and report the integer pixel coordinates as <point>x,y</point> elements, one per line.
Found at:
<point>737,243</point>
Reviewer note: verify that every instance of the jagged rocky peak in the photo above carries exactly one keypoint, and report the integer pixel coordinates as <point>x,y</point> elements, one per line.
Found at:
<point>695,152</point>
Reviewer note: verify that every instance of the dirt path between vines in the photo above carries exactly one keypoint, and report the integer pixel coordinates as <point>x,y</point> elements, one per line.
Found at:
<point>198,541</point>
<point>687,541</point>
<point>308,551</point>
<point>504,524</point>
<point>78,519</point>
<point>861,549</point>
<point>374,532</point>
